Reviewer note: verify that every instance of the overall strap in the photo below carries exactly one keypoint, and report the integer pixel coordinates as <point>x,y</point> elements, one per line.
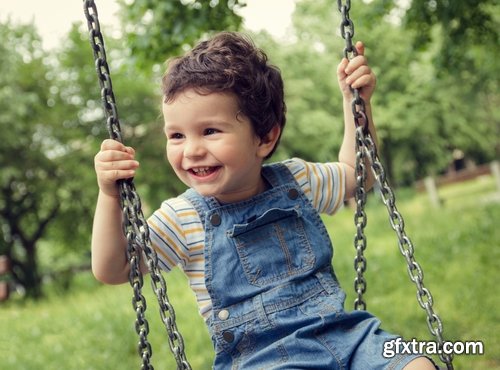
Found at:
<point>199,203</point>
<point>278,174</point>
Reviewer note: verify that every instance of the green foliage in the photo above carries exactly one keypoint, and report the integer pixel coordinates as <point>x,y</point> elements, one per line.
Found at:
<point>460,39</point>
<point>423,111</point>
<point>47,119</point>
<point>462,24</point>
<point>27,157</point>
<point>158,28</point>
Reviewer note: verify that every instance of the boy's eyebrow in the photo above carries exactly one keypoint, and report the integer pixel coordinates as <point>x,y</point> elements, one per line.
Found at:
<point>167,128</point>
<point>207,122</point>
<point>216,122</point>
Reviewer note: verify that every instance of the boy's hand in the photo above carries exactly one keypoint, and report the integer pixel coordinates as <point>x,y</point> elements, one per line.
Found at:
<point>357,74</point>
<point>114,161</point>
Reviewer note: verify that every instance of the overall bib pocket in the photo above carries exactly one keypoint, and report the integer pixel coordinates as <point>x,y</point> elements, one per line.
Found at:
<point>273,247</point>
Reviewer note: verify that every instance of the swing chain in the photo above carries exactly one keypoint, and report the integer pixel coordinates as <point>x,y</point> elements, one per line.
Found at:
<point>415,272</point>
<point>360,222</point>
<point>361,122</point>
<point>365,147</point>
<point>135,227</point>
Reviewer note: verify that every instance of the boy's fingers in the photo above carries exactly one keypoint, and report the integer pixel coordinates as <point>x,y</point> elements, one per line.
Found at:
<point>360,47</point>
<point>342,67</point>
<point>355,63</point>
<point>110,144</point>
<point>362,81</point>
<point>358,73</point>
<point>119,164</point>
<point>112,155</point>
<point>114,175</point>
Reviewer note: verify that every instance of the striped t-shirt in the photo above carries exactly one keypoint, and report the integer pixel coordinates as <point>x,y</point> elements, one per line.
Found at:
<point>178,237</point>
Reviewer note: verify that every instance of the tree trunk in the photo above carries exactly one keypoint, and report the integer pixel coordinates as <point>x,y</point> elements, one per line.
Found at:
<point>26,273</point>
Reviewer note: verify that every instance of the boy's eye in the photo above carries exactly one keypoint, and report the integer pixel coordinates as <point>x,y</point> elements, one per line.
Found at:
<point>210,131</point>
<point>175,136</point>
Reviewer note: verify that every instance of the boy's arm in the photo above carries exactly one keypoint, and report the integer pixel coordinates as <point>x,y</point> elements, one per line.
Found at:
<point>109,261</point>
<point>358,74</point>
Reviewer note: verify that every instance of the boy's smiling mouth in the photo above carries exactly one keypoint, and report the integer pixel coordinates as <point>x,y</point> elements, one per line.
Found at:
<point>203,171</point>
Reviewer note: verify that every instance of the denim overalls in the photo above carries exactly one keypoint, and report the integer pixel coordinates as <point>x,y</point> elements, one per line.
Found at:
<point>276,301</point>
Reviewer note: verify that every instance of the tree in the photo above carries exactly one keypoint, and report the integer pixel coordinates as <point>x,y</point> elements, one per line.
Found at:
<point>424,111</point>
<point>50,116</point>
<point>466,34</point>
<point>29,171</point>
<point>461,24</point>
<point>157,29</point>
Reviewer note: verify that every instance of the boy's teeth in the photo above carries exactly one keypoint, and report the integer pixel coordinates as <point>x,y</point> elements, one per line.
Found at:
<point>202,170</point>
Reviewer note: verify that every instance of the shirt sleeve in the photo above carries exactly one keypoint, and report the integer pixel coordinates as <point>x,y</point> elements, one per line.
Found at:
<point>167,235</point>
<point>322,183</point>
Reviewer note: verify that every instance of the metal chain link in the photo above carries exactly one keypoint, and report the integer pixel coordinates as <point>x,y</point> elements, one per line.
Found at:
<point>360,221</point>
<point>361,122</point>
<point>135,226</point>
<point>415,272</point>
<point>365,144</point>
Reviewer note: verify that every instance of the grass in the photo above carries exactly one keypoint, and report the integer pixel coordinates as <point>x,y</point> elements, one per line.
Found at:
<point>456,245</point>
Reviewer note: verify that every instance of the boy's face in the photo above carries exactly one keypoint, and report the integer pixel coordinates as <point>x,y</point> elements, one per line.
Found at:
<point>211,147</point>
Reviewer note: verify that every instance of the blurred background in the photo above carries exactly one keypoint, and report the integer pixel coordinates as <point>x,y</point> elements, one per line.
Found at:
<point>436,108</point>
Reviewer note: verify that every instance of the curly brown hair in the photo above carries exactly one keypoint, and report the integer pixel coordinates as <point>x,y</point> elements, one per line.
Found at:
<point>230,62</point>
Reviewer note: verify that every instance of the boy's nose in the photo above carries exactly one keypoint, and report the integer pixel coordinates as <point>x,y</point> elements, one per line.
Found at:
<point>193,148</point>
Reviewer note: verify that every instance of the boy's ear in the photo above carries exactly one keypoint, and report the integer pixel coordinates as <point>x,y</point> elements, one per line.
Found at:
<point>268,142</point>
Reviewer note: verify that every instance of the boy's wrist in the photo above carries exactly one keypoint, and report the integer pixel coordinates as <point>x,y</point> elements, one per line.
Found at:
<point>350,98</point>
<point>112,195</point>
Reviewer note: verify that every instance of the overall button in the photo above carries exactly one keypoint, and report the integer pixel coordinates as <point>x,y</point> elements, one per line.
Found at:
<point>223,315</point>
<point>215,219</point>
<point>228,336</point>
<point>293,194</point>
